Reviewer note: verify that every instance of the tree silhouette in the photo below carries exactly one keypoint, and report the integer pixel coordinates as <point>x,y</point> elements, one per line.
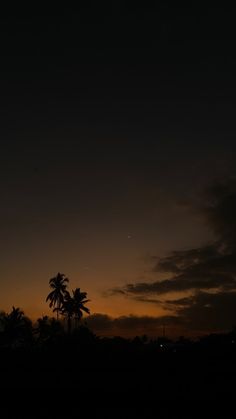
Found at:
<point>74,306</point>
<point>57,295</point>
<point>16,327</point>
<point>43,328</point>
<point>67,309</point>
<point>80,299</point>
<point>48,329</point>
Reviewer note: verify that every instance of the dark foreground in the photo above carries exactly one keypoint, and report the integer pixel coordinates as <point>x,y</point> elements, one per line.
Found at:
<point>118,382</point>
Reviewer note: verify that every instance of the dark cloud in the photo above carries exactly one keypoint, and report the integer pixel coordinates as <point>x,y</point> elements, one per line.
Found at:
<point>185,301</point>
<point>220,212</point>
<point>179,260</point>
<point>185,282</point>
<point>132,325</point>
<point>206,311</point>
<point>207,267</point>
<point>200,313</point>
<point>148,300</point>
<point>203,268</point>
<point>99,322</point>
<point>208,272</point>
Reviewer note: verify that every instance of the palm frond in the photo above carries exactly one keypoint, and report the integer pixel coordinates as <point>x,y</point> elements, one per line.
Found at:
<point>86,309</point>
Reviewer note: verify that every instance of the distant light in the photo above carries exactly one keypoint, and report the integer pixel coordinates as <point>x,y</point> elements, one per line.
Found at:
<point>232,341</point>
<point>161,346</point>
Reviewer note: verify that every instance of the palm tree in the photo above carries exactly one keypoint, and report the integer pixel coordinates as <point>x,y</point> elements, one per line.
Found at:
<point>80,299</point>
<point>74,306</point>
<point>48,329</point>
<point>43,328</point>
<point>67,309</point>
<point>56,296</point>
<point>17,328</point>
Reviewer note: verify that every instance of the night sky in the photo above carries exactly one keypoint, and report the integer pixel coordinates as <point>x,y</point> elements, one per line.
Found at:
<point>118,164</point>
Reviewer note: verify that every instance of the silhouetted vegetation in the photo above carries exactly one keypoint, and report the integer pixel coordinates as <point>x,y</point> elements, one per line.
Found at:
<point>18,331</point>
<point>70,306</point>
<point>57,295</point>
<point>64,355</point>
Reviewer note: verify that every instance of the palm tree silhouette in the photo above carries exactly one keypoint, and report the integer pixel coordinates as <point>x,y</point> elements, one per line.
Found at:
<point>17,327</point>
<point>80,299</point>
<point>47,329</point>
<point>74,306</point>
<point>43,328</point>
<point>67,309</point>
<point>56,297</point>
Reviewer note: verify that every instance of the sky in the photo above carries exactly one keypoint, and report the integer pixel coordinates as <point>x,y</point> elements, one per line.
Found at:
<point>118,164</point>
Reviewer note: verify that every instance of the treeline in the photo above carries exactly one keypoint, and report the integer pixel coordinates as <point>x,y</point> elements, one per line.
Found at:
<point>18,331</point>
<point>69,328</point>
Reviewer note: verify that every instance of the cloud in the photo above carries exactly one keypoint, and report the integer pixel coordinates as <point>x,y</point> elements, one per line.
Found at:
<point>148,300</point>
<point>208,272</point>
<point>201,313</point>
<point>207,267</point>
<point>207,311</point>
<point>220,211</point>
<point>131,325</point>
<point>179,260</point>
<point>188,273</point>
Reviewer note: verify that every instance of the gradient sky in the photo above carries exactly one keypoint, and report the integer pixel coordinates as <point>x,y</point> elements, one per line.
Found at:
<point>113,123</point>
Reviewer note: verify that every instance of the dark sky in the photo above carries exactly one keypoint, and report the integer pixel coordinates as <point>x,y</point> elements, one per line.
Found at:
<point>115,125</point>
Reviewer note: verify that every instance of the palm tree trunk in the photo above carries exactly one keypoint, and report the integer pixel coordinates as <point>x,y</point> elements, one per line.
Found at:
<point>76,322</point>
<point>69,324</point>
